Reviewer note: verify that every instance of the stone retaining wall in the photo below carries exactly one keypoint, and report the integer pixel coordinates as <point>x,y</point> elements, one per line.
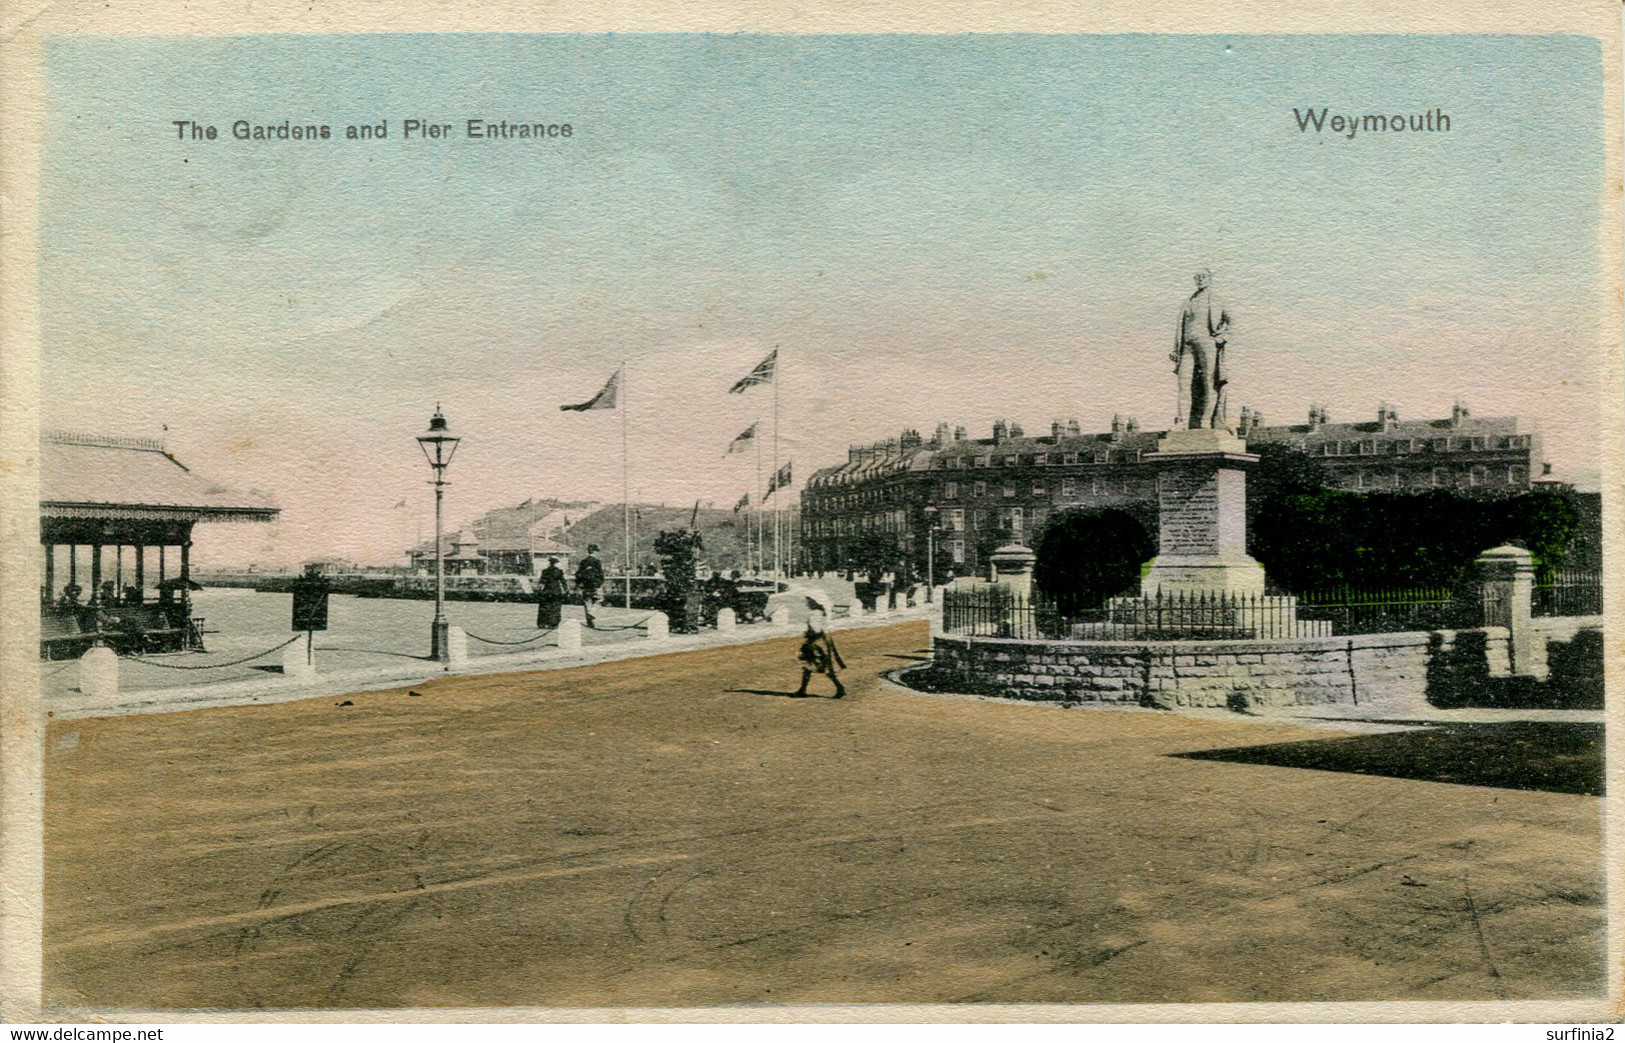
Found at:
<point>1393,669</point>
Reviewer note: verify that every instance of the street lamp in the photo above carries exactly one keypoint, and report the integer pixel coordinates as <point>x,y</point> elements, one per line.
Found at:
<point>930,554</point>
<point>439,446</point>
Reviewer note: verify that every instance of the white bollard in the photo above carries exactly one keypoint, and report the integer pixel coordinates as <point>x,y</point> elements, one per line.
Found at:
<point>570,635</point>
<point>299,659</point>
<point>658,626</point>
<point>98,674</point>
<point>456,647</point>
<point>780,616</point>
<point>725,619</point>
<point>881,608</point>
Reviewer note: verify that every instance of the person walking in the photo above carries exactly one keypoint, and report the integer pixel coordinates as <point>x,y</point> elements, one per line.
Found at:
<point>550,594</point>
<point>589,580</point>
<point>819,655</point>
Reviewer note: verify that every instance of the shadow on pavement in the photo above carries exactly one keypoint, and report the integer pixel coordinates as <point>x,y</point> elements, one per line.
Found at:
<point>1555,757</point>
<point>782,695</point>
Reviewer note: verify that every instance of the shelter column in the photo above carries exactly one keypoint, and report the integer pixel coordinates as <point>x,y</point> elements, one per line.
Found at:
<point>50,572</point>
<point>73,564</point>
<point>95,572</point>
<point>141,569</point>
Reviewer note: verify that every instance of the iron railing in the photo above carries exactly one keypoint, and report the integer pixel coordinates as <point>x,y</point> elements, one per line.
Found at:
<point>1569,592</point>
<point>1352,610</point>
<point>997,612</point>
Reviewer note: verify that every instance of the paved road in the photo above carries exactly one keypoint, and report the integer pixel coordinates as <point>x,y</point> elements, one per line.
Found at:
<point>673,831</point>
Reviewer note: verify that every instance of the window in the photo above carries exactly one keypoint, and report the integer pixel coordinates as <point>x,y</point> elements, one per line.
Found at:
<point>1039,489</point>
<point>1015,519</point>
<point>1069,458</point>
<point>1009,488</point>
<point>982,461</point>
<point>1518,475</point>
<point>1441,476</point>
<point>979,489</point>
<point>957,549</point>
<point>950,490</point>
<point>1011,461</point>
<point>954,520</point>
<point>1069,487</point>
<point>1480,475</point>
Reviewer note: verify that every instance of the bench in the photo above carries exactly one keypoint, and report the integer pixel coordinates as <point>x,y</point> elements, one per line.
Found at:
<point>61,636</point>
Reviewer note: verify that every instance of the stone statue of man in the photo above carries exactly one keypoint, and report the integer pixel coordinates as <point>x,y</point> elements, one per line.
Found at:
<point>1198,357</point>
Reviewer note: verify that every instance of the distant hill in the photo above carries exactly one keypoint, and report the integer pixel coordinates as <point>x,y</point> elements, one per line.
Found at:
<point>723,533</point>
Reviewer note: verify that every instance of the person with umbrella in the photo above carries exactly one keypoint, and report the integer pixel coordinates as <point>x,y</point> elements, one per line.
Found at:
<point>550,594</point>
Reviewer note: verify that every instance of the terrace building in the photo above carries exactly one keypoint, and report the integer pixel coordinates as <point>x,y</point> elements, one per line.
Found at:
<point>988,491</point>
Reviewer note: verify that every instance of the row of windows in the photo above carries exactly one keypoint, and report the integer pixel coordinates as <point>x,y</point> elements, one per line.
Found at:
<point>1476,476</point>
<point>1099,456</point>
<point>1402,446</point>
<point>1067,487</point>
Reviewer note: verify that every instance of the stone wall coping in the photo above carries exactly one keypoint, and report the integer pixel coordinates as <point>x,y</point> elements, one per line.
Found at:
<point>1406,639</point>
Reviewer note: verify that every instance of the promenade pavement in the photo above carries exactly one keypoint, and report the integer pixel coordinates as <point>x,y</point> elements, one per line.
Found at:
<point>672,830</point>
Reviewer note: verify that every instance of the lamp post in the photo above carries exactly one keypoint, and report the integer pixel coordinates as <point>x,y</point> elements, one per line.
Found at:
<point>930,555</point>
<point>439,446</point>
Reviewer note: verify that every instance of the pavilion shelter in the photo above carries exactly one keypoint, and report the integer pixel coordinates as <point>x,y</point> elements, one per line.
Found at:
<point>116,518</point>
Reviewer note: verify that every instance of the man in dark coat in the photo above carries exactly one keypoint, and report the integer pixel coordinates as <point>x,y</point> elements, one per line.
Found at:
<point>550,595</point>
<point>819,655</point>
<point>589,580</point>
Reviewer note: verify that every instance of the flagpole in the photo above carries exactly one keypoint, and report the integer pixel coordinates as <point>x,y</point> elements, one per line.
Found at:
<point>756,437</point>
<point>778,375</point>
<point>626,490</point>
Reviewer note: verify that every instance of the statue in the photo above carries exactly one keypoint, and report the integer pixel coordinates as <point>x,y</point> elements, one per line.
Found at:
<point>1203,328</point>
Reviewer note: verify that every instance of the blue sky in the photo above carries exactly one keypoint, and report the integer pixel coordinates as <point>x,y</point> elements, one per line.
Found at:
<point>956,228</point>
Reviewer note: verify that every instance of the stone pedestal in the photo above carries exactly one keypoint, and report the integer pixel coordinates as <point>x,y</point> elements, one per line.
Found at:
<point>299,659</point>
<point>98,673</point>
<point>1202,516</point>
<point>1508,577</point>
<point>658,627</point>
<point>569,635</point>
<point>1013,568</point>
<point>725,619</point>
<point>456,647</point>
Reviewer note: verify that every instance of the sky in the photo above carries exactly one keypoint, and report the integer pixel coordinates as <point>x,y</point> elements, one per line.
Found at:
<point>956,228</point>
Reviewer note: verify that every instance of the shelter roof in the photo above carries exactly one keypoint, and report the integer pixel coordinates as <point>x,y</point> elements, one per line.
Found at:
<point>91,476</point>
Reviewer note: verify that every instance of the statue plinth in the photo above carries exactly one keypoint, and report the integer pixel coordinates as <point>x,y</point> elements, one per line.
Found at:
<point>1202,516</point>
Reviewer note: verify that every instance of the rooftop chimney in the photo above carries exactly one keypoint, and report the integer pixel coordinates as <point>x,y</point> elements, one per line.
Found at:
<point>959,433</point>
<point>1458,413</point>
<point>1072,427</point>
<point>1015,430</point>
<point>1001,431</point>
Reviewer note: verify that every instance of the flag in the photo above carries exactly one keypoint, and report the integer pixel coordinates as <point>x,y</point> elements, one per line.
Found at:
<point>778,481</point>
<point>605,399</point>
<point>762,374</point>
<point>744,501</point>
<point>743,440</point>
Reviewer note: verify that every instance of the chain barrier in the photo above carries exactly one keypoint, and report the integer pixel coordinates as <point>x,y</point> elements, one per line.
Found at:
<point>642,624</point>
<point>526,641</point>
<point>215,666</point>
